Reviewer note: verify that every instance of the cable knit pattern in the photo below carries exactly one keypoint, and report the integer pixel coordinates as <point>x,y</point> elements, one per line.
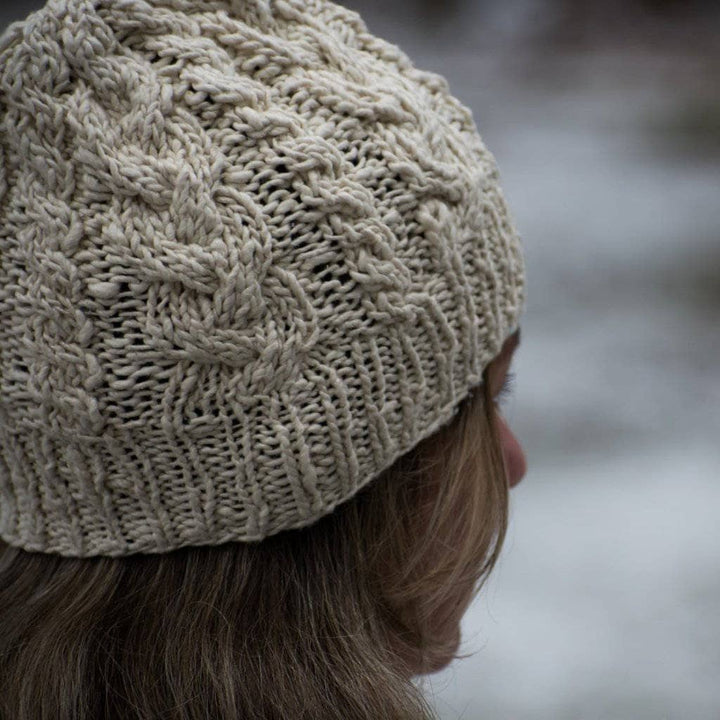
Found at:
<point>249,256</point>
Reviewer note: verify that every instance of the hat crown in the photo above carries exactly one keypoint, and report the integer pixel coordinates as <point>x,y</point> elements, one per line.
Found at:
<point>249,256</point>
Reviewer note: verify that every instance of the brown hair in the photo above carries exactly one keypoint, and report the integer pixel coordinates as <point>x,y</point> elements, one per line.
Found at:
<point>328,621</point>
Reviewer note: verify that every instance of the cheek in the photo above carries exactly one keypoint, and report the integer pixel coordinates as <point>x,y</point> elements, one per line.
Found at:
<point>515,463</point>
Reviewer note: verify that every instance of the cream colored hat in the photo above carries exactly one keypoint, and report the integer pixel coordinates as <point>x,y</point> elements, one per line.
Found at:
<point>249,256</point>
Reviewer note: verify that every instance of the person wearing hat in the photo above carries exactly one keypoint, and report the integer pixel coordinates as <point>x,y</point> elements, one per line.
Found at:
<point>259,297</point>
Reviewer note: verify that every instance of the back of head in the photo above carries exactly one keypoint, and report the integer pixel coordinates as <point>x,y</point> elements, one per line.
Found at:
<point>328,621</point>
<point>253,266</point>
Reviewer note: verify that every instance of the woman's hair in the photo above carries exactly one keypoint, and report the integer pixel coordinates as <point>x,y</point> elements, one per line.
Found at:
<point>328,621</point>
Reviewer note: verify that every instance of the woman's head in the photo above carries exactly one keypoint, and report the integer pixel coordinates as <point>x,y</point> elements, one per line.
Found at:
<point>255,268</point>
<point>324,621</point>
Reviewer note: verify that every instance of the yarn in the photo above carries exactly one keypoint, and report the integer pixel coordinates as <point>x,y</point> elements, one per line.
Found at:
<point>249,256</point>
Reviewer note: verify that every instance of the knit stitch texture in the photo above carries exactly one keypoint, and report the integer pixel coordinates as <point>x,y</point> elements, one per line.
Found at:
<point>249,256</point>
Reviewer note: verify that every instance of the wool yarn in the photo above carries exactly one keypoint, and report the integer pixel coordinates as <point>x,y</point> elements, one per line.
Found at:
<point>249,256</point>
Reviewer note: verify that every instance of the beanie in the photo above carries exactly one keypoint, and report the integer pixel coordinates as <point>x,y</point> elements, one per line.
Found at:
<point>249,256</point>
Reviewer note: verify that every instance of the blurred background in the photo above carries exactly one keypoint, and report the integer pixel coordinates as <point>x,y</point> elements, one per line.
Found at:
<point>605,122</point>
<point>604,118</point>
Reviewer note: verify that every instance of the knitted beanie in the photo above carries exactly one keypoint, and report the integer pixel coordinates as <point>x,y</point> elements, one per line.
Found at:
<point>249,256</point>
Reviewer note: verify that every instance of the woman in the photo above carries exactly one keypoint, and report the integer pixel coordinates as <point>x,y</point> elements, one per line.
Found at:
<point>259,296</point>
